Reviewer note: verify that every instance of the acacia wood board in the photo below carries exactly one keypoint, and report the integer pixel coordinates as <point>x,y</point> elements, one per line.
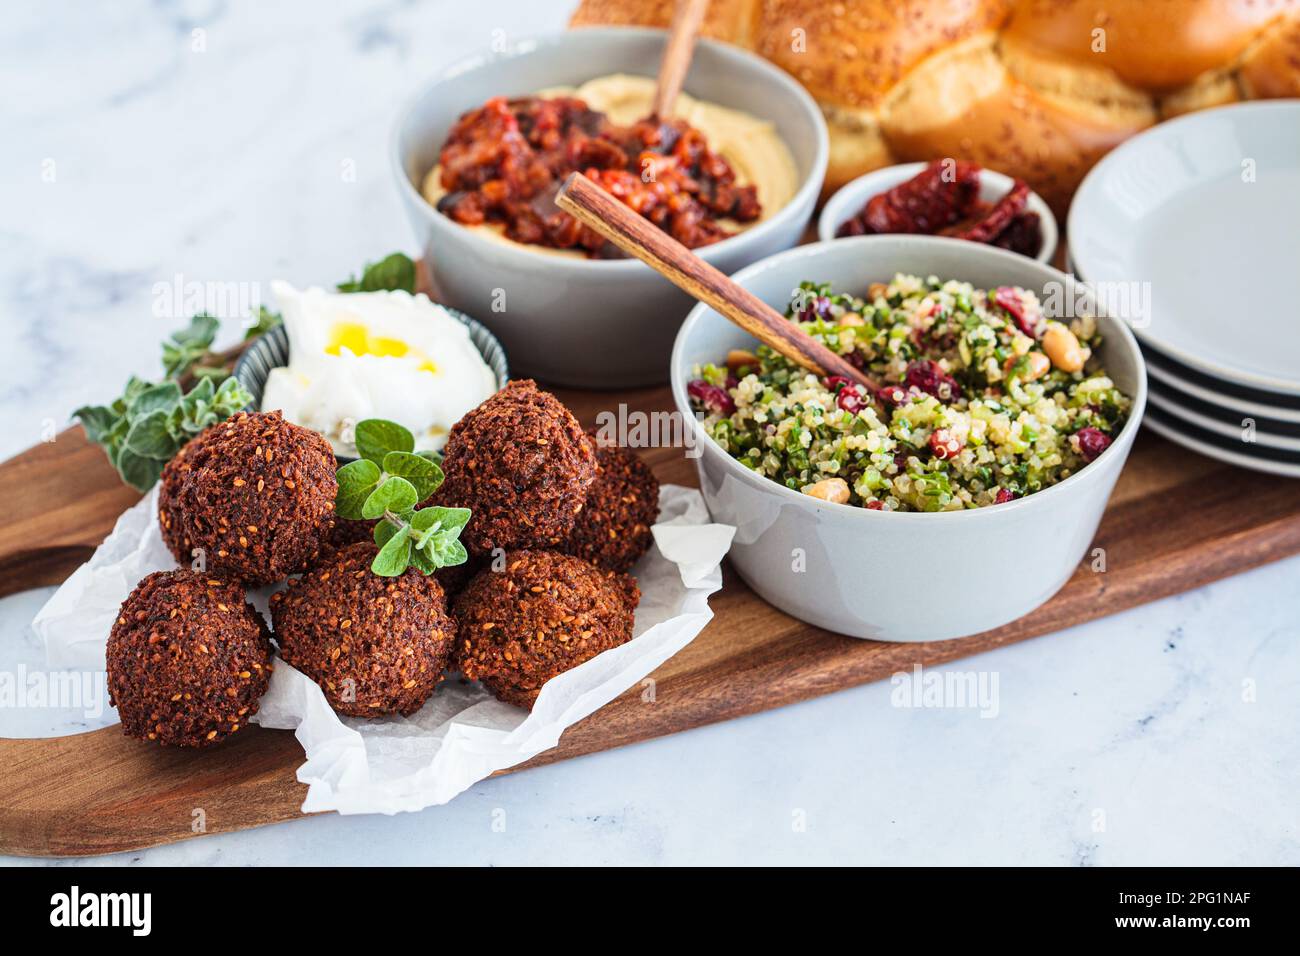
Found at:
<point>1175,521</point>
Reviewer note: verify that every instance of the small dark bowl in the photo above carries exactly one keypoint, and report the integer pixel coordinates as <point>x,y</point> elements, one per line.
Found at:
<point>271,350</point>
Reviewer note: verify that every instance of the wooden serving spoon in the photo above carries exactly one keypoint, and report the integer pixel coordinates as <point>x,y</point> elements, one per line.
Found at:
<point>637,236</point>
<point>687,17</point>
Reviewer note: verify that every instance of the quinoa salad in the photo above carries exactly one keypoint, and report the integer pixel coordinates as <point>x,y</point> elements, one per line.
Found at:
<point>982,399</point>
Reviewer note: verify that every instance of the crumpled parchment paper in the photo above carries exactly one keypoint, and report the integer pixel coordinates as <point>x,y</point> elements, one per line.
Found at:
<point>462,734</point>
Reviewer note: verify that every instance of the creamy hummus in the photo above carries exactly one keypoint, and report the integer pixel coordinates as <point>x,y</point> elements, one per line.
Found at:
<point>756,154</point>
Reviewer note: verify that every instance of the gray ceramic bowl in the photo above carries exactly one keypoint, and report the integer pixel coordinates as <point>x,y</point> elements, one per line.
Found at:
<point>272,351</point>
<point>581,322</point>
<point>893,575</point>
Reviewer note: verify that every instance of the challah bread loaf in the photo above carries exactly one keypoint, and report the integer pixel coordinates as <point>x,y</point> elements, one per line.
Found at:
<point>855,57</point>
<point>731,21</point>
<point>1270,67</point>
<point>1037,89</point>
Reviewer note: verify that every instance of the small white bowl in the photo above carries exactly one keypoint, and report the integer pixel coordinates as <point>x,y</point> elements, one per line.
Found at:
<point>850,198</point>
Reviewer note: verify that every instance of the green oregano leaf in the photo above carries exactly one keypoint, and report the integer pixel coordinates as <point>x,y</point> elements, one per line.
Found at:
<point>97,420</point>
<point>231,393</point>
<point>422,561</point>
<point>357,481</point>
<point>376,437</point>
<point>266,320</point>
<point>384,530</point>
<point>138,472</point>
<point>394,494</point>
<point>436,535</point>
<point>395,271</point>
<point>395,556</point>
<point>450,520</point>
<point>201,331</point>
<point>134,386</point>
<point>204,391</point>
<point>448,551</point>
<point>151,437</point>
<point>419,471</point>
<point>187,346</point>
<point>230,398</point>
<point>164,396</point>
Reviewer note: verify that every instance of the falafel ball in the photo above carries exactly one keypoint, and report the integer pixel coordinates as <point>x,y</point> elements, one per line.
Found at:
<point>542,614</point>
<point>613,530</point>
<point>375,645</point>
<point>522,465</point>
<point>255,493</point>
<point>188,658</point>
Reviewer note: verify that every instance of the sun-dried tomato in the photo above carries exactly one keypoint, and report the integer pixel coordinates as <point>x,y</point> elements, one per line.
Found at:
<point>935,198</point>
<point>996,220</point>
<point>504,162</point>
<point>1024,235</point>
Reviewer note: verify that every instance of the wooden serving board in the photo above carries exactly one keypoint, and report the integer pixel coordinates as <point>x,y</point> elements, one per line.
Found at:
<point>1176,521</point>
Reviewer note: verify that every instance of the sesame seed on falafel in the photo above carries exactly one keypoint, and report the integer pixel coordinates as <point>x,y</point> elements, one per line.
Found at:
<point>375,645</point>
<point>542,614</point>
<point>255,494</point>
<point>521,463</point>
<point>188,658</point>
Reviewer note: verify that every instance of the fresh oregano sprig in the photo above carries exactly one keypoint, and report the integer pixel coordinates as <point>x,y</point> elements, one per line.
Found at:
<point>395,271</point>
<point>142,429</point>
<point>266,320</point>
<point>183,349</point>
<point>387,482</point>
<point>148,424</point>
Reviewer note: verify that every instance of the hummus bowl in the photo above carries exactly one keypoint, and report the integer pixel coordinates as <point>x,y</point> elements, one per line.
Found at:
<point>569,320</point>
<point>903,576</point>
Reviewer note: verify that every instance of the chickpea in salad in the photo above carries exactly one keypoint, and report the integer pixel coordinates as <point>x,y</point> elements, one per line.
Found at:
<point>982,399</point>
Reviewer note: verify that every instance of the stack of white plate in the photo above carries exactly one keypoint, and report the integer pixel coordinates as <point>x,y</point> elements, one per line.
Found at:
<point>1191,231</point>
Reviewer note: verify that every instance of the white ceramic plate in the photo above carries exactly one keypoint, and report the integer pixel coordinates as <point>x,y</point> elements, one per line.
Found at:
<point>1237,399</point>
<point>1162,425</point>
<point>1205,208</point>
<point>851,197</point>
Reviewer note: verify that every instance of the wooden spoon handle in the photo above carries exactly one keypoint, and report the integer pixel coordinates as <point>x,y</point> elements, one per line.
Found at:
<point>687,18</point>
<point>635,235</point>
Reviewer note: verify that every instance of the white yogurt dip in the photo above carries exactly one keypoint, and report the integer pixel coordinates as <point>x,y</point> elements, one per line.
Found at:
<point>364,355</point>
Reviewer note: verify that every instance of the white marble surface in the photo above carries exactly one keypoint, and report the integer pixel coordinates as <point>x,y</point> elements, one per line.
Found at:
<point>1165,735</point>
